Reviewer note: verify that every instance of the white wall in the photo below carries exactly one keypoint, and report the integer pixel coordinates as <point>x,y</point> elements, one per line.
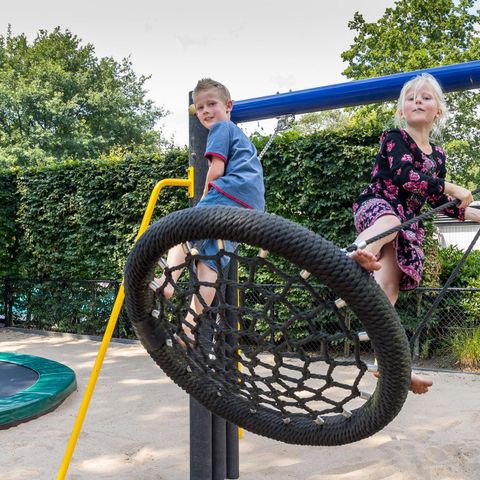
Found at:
<point>459,234</point>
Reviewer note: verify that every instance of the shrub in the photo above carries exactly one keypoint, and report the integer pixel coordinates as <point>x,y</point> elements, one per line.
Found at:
<point>465,347</point>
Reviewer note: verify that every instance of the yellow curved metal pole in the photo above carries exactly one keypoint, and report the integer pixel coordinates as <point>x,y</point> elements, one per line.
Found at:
<point>117,306</point>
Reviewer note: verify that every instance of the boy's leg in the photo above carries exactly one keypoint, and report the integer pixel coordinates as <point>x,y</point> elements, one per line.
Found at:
<point>204,274</point>
<point>175,257</point>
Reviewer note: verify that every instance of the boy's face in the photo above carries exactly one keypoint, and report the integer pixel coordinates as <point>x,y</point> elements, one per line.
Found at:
<point>210,108</point>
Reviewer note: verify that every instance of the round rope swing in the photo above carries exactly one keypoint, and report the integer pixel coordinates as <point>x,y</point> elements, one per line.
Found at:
<point>272,363</point>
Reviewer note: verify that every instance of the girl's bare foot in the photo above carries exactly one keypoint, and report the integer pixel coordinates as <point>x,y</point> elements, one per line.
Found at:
<point>366,260</point>
<point>418,384</point>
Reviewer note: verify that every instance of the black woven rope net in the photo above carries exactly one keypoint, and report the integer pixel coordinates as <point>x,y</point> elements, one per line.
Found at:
<point>282,361</point>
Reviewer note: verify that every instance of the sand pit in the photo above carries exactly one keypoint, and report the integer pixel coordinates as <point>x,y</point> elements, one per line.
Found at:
<point>137,428</point>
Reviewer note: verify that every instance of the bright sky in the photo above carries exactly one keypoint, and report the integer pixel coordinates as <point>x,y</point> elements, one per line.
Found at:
<point>254,47</point>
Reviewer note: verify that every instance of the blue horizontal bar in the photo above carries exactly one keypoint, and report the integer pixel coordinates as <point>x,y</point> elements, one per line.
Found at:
<point>461,76</point>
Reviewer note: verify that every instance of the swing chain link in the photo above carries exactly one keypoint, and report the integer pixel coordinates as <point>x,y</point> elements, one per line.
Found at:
<point>284,123</point>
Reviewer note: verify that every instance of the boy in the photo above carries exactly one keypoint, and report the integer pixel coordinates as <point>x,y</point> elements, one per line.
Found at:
<point>234,178</point>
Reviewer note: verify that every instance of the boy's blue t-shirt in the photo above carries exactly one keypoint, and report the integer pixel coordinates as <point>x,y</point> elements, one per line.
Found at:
<point>243,178</point>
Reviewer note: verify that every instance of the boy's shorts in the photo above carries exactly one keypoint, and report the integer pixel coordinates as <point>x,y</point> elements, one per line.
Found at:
<point>209,247</point>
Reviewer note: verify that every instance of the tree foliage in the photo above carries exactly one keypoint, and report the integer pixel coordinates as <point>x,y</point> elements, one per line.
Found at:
<point>59,101</point>
<point>418,34</point>
<point>310,123</point>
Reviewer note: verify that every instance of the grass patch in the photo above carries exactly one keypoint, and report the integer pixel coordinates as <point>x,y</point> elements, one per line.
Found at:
<point>466,349</point>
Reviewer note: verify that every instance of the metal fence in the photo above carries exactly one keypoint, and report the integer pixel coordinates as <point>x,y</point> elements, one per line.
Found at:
<point>61,305</point>
<point>450,339</point>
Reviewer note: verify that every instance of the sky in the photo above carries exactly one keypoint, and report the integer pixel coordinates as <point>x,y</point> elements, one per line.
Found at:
<point>254,47</point>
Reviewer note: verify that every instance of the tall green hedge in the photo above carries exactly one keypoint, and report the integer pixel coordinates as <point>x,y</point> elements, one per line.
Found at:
<point>79,219</point>
<point>8,209</point>
<point>314,179</point>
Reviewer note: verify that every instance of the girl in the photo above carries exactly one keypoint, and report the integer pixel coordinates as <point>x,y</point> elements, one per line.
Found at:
<point>408,171</point>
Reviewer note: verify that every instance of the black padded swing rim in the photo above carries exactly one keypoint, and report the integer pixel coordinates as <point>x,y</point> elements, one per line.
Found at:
<point>308,251</point>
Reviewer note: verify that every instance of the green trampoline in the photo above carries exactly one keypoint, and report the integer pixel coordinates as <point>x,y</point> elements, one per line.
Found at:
<point>31,386</point>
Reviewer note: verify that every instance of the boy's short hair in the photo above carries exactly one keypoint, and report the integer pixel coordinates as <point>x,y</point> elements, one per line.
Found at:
<point>208,84</point>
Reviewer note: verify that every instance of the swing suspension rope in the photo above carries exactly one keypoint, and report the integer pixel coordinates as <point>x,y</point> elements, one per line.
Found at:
<point>362,244</point>
<point>284,123</point>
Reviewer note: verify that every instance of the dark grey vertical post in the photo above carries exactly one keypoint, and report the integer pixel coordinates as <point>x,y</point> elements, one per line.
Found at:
<point>219,448</point>
<point>197,143</point>
<point>233,454</point>
<point>200,442</point>
<point>200,417</point>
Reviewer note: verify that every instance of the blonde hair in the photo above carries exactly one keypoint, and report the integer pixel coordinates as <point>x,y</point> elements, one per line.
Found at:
<point>208,84</point>
<point>416,83</point>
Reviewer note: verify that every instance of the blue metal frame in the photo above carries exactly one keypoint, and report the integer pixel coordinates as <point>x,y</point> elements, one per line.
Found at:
<point>462,76</point>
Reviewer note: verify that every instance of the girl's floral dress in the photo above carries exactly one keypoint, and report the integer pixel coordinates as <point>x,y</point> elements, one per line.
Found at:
<point>403,178</point>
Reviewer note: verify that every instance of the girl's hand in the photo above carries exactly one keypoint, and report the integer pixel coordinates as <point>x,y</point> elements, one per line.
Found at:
<point>460,193</point>
<point>464,195</point>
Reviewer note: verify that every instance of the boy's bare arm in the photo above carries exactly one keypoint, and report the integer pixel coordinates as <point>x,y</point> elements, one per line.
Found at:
<point>215,170</point>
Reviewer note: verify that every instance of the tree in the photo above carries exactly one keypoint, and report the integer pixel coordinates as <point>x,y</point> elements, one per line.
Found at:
<point>417,34</point>
<point>58,101</point>
<point>311,123</point>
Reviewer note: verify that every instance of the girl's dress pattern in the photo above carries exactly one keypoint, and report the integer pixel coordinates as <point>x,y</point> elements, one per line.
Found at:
<point>403,179</point>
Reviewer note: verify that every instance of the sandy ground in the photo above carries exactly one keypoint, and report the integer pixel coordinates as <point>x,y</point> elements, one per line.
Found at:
<point>137,428</point>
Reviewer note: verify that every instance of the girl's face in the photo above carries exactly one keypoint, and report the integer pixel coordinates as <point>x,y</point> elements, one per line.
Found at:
<point>210,108</point>
<point>420,108</point>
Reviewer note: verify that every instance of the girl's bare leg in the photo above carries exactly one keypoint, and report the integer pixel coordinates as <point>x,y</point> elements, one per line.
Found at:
<point>367,257</point>
<point>388,277</point>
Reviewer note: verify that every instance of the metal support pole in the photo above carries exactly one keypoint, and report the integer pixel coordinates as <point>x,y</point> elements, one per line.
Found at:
<point>456,77</point>
<point>200,442</point>
<point>233,452</point>
<point>232,445</point>
<point>219,448</point>
<point>200,417</point>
